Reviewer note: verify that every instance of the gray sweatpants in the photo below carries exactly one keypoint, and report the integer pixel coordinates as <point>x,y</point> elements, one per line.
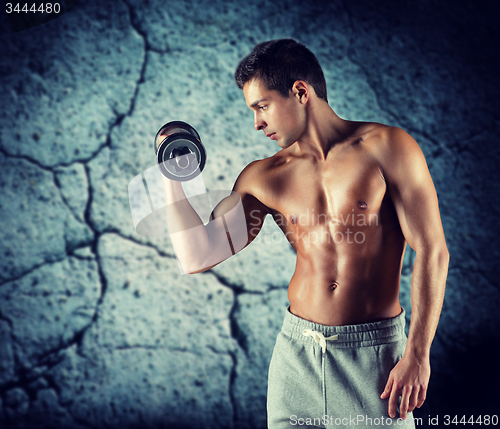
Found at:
<point>333,376</point>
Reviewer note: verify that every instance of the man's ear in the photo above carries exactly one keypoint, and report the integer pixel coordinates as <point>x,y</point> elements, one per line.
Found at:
<point>300,89</point>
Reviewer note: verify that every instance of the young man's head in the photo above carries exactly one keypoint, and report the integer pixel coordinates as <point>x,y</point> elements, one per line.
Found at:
<point>278,79</point>
<point>279,64</point>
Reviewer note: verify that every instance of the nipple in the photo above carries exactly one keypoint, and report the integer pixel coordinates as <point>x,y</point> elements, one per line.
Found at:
<point>362,205</point>
<point>293,219</point>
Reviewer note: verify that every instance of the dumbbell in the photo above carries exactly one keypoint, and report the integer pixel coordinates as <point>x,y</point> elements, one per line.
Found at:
<point>181,156</point>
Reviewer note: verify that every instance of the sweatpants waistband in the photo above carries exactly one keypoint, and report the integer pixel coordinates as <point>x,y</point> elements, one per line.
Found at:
<point>362,335</point>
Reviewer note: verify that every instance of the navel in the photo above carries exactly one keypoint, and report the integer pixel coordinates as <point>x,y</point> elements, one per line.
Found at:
<point>293,219</point>
<point>362,205</point>
<point>334,286</point>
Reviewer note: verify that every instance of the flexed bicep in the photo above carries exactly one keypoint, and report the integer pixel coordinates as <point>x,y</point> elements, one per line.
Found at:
<point>243,216</point>
<point>233,224</point>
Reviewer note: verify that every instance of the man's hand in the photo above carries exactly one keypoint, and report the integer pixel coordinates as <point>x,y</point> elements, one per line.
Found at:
<point>409,380</point>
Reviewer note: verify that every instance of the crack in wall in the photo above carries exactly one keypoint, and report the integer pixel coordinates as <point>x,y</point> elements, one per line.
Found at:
<point>57,183</point>
<point>94,244</point>
<point>52,168</point>
<point>378,95</point>
<point>232,380</point>
<point>27,375</point>
<point>26,158</point>
<point>32,269</point>
<point>31,380</point>
<point>237,333</point>
<point>6,320</point>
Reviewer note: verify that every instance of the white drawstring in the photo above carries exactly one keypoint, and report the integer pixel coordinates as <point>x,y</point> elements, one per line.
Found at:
<point>319,338</point>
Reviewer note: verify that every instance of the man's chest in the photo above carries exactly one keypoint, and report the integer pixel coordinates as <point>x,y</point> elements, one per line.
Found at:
<point>339,189</point>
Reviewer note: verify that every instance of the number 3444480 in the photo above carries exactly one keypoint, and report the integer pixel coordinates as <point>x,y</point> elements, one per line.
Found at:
<point>472,420</point>
<point>33,8</point>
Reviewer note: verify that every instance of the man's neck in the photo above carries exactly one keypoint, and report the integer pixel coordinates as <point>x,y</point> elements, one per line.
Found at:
<point>324,129</point>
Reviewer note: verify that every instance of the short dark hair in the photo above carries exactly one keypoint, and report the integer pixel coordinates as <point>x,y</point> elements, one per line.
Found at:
<point>280,63</point>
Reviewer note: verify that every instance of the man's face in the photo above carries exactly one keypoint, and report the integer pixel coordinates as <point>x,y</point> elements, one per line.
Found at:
<point>281,119</point>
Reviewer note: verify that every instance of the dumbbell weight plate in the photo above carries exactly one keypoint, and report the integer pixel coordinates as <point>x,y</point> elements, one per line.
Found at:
<point>190,160</point>
<point>174,127</point>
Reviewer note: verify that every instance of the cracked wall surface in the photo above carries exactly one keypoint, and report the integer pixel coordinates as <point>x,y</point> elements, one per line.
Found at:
<point>97,327</point>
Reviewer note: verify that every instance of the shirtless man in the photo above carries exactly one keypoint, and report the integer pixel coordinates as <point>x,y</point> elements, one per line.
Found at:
<point>348,196</point>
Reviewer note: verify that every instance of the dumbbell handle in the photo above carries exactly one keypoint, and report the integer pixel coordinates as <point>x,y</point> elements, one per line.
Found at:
<point>173,127</point>
<point>180,154</point>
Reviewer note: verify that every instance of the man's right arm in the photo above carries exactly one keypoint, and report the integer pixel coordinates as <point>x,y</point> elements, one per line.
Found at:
<point>234,223</point>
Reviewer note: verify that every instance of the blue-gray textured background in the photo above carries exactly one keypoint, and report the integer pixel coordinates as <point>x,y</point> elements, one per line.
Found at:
<point>97,327</point>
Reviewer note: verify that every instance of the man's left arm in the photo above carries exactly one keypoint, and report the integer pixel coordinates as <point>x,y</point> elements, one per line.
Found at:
<point>415,200</point>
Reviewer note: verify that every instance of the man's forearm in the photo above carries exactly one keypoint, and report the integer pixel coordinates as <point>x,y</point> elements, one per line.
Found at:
<point>187,232</point>
<point>180,214</point>
<point>198,246</point>
<point>427,294</point>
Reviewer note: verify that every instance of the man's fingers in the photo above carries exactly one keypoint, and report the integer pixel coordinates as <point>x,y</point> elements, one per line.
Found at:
<point>387,390</point>
<point>405,400</point>
<point>421,397</point>
<point>393,401</point>
<point>413,399</point>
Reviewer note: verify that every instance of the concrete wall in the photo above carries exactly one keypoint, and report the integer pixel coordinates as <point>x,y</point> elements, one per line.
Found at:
<point>97,327</point>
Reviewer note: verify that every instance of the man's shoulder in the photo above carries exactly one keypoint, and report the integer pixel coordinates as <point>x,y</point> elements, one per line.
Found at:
<point>258,170</point>
<point>396,152</point>
<point>386,141</point>
<point>373,132</point>
<point>254,175</point>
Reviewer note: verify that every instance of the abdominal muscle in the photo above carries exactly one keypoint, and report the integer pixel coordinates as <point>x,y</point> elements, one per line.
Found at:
<point>349,283</point>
